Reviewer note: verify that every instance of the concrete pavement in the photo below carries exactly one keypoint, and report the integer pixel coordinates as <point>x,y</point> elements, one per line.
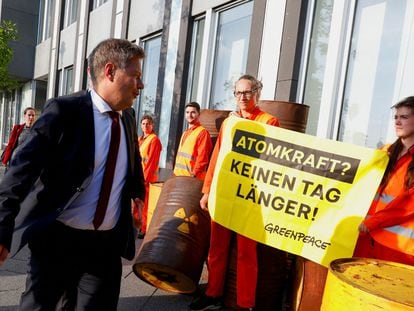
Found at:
<point>135,294</point>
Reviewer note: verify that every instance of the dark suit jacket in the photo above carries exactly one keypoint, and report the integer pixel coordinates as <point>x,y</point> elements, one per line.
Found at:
<point>55,165</point>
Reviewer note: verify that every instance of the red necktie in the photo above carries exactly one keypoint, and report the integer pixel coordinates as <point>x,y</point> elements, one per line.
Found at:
<point>108,176</point>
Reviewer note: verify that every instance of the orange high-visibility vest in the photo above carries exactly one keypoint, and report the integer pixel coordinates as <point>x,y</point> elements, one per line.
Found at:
<point>390,217</point>
<point>263,117</point>
<point>144,151</point>
<point>185,160</point>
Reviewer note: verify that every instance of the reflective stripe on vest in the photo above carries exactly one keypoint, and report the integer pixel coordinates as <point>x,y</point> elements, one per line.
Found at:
<point>185,160</point>
<point>263,117</point>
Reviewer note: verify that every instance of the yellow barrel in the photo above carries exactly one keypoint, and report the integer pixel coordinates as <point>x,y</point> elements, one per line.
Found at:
<point>154,193</point>
<point>368,285</point>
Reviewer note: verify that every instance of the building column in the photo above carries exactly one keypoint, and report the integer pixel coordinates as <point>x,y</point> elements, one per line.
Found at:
<point>54,50</point>
<point>291,50</point>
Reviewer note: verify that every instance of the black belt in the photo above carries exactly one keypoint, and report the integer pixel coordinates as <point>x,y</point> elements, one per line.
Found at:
<point>79,233</point>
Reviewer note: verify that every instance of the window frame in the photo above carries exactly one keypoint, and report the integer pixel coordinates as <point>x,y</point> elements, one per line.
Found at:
<point>98,3</point>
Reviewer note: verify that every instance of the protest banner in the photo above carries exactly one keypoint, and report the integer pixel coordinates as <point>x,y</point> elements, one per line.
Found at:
<point>293,191</point>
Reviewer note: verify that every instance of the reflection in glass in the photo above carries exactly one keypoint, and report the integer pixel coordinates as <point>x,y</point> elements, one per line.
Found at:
<point>196,48</point>
<point>146,100</point>
<point>317,61</point>
<point>382,34</point>
<point>230,60</point>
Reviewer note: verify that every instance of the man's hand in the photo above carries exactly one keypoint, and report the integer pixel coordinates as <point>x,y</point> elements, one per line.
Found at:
<point>204,202</point>
<point>139,203</point>
<point>4,252</point>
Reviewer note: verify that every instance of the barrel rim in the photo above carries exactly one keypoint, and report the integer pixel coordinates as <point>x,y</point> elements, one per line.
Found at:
<point>139,267</point>
<point>282,101</point>
<point>335,264</point>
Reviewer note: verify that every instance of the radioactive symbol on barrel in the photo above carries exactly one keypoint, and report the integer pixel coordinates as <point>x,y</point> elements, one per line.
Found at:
<point>185,226</point>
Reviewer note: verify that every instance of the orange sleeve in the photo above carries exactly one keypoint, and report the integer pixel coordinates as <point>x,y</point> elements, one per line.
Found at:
<point>397,211</point>
<point>213,160</point>
<point>154,151</point>
<point>203,147</point>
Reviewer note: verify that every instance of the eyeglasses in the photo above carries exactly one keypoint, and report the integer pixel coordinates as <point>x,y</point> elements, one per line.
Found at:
<point>248,94</point>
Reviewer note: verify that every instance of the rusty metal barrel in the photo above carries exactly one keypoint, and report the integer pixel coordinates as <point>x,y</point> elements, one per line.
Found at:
<point>175,247</point>
<point>292,116</point>
<point>212,120</point>
<point>369,285</point>
<point>271,278</point>
<point>308,285</point>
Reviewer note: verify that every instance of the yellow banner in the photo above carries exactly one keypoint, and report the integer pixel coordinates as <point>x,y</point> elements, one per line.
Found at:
<point>292,191</point>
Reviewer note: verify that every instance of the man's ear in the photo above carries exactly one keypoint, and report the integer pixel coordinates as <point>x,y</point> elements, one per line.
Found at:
<point>109,71</point>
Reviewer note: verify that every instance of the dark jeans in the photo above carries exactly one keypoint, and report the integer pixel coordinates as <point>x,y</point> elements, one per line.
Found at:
<point>71,268</point>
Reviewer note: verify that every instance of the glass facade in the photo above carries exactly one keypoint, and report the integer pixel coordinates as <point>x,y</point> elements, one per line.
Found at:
<point>230,57</point>
<point>380,58</point>
<point>146,100</point>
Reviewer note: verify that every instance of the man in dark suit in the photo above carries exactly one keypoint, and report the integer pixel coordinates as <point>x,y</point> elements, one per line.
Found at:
<point>51,197</point>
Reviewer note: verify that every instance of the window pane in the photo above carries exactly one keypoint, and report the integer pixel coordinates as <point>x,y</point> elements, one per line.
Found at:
<point>97,3</point>
<point>380,55</point>
<point>71,7</point>
<point>317,61</point>
<point>45,14</point>
<point>231,54</point>
<point>150,76</point>
<point>73,11</point>
<point>68,80</point>
<point>197,47</point>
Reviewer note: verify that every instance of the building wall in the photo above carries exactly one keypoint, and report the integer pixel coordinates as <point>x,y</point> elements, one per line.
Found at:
<point>204,5</point>
<point>150,18</point>
<point>24,14</point>
<point>99,30</point>
<point>67,46</point>
<point>42,59</point>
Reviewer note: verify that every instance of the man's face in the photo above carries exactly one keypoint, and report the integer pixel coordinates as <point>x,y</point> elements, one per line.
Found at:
<point>191,115</point>
<point>29,117</point>
<point>127,85</point>
<point>246,96</point>
<point>146,126</point>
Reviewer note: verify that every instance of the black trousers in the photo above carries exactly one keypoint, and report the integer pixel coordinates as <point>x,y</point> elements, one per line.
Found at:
<point>73,269</point>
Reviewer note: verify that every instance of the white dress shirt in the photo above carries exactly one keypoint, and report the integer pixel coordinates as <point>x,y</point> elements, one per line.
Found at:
<point>81,212</point>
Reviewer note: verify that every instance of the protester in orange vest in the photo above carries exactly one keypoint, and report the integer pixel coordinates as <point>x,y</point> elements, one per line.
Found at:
<point>150,149</point>
<point>195,146</point>
<point>388,231</point>
<point>247,92</point>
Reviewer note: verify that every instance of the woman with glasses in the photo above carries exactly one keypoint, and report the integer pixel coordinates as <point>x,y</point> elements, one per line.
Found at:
<point>388,231</point>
